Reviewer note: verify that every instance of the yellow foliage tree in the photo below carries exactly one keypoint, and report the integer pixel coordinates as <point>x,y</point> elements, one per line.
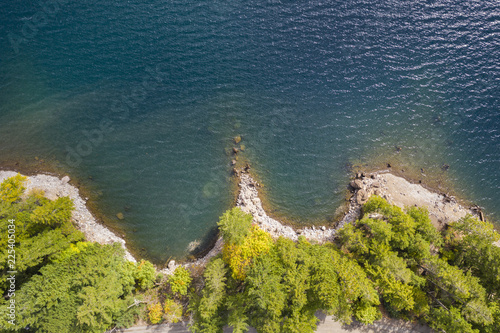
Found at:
<point>12,188</point>
<point>239,257</point>
<point>155,313</point>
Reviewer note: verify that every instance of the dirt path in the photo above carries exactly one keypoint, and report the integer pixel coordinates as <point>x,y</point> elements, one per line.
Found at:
<point>326,325</point>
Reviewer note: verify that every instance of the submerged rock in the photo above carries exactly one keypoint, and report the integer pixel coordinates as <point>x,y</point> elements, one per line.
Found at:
<point>193,245</point>
<point>237,139</point>
<point>120,216</point>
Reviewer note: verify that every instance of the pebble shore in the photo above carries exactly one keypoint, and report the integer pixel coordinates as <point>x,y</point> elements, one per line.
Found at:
<point>83,219</point>
<point>442,208</point>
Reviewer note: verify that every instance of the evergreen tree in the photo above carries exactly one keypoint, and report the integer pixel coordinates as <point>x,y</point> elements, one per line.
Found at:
<point>207,311</point>
<point>266,293</point>
<point>234,225</point>
<point>83,291</point>
<point>471,241</point>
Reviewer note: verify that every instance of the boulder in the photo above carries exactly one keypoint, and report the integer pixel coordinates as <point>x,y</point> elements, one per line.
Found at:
<point>375,216</point>
<point>356,184</point>
<point>362,197</point>
<point>65,179</point>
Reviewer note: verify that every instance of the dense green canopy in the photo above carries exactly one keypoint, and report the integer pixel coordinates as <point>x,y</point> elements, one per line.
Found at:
<point>62,284</point>
<point>390,257</point>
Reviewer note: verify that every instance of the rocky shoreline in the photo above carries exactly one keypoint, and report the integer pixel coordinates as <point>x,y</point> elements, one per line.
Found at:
<point>396,190</point>
<point>443,209</point>
<point>83,219</point>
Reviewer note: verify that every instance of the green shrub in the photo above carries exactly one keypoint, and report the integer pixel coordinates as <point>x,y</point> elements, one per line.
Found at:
<point>180,280</point>
<point>173,311</point>
<point>144,274</point>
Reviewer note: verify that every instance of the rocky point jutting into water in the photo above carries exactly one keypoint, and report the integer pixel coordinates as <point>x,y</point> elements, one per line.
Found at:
<point>398,191</point>
<point>442,208</point>
<point>54,188</point>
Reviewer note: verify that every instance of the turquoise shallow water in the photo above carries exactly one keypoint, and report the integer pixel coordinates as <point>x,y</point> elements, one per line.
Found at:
<point>145,97</point>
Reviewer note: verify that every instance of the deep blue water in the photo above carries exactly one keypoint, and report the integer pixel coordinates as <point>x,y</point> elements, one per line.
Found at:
<point>146,96</point>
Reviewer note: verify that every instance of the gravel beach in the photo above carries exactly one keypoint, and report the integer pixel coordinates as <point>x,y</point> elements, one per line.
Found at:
<point>54,188</point>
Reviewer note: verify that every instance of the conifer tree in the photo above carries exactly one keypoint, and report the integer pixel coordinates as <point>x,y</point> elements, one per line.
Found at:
<point>83,291</point>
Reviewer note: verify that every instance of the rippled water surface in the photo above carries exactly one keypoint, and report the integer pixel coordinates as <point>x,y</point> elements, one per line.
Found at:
<point>140,101</point>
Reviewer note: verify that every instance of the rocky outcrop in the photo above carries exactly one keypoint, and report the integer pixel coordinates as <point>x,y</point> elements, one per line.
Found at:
<point>443,208</point>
